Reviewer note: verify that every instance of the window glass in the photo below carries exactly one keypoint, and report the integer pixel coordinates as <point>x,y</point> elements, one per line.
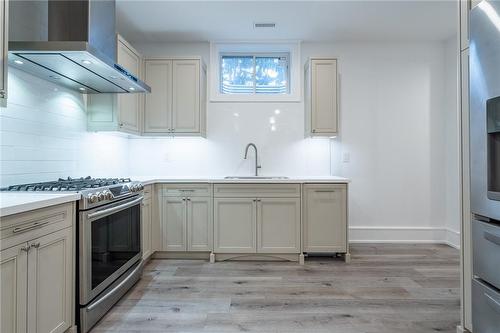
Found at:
<point>237,75</point>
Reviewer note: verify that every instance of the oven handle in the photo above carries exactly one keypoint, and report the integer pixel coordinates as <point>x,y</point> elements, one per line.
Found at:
<point>115,289</point>
<point>109,211</point>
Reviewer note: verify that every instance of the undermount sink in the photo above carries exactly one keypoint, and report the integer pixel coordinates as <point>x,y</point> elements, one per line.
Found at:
<point>256,177</point>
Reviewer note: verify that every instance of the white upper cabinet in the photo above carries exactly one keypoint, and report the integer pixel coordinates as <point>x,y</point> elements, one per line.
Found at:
<point>129,105</point>
<point>321,97</point>
<point>4,14</point>
<point>118,112</point>
<point>177,102</point>
<point>158,104</point>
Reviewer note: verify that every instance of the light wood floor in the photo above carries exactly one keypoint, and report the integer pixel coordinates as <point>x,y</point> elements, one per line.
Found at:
<point>386,289</point>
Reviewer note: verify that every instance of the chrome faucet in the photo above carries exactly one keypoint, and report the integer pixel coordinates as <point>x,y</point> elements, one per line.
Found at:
<point>257,166</point>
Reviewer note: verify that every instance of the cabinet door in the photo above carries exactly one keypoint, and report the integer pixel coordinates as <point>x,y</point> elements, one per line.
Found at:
<point>129,104</point>
<point>186,96</point>
<point>278,225</point>
<point>158,104</point>
<point>146,228</point>
<point>199,224</point>
<point>324,96</point>
<point>3,51</point>
<point>13,288</point>
<point>235,225</point>
<point>174,224</point>
<point>325,218</point>
<point>50,282</point>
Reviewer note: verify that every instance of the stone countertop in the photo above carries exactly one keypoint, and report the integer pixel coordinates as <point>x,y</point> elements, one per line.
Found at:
<point>221,180</point>
<point>19,202</point>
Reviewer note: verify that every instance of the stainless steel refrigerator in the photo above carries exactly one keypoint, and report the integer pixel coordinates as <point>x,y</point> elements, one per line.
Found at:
<point>485,164</point>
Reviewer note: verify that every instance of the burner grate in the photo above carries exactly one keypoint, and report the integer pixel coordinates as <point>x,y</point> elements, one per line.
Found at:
<point>68,184</point>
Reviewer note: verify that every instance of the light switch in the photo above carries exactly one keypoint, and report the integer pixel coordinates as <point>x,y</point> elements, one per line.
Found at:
<point>346,157</point>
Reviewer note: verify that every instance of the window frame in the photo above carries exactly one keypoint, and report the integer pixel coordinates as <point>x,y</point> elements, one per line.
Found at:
<point>290,48</point>
<point>255,55</point>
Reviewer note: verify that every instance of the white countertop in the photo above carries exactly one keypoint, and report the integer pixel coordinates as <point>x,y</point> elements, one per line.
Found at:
<point>19,202</point>
<point>221,180</point>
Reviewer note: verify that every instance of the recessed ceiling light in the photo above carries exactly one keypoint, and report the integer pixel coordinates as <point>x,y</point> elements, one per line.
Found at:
<point>81,89</point>
<point>19,62</point>
<point>86,62</point>
<point>131,88</point>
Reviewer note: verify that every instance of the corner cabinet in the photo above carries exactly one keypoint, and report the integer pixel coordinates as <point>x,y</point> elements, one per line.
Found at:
<point>4,42</point>
<point>118,112</point>
<point>321,97</point>
<point>37,270</point>
<point>177,103</point>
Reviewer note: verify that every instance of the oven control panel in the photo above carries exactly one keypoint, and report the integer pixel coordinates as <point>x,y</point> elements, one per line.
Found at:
<point>100,196</point>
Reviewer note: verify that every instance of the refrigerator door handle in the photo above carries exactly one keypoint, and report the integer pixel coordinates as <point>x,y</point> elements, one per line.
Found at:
<point>494,238</point>
<point>493,303</point>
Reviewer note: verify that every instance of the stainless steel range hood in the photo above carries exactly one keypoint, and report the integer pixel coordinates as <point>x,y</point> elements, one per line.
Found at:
<point>71,43</point>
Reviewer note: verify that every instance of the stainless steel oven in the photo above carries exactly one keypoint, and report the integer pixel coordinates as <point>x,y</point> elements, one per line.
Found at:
<point>110,249</point>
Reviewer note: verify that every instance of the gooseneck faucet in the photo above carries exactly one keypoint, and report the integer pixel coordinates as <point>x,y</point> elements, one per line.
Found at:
<point>257,166</point>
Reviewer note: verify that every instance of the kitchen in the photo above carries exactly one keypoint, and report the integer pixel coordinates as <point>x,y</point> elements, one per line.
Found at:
<point>254,166</point>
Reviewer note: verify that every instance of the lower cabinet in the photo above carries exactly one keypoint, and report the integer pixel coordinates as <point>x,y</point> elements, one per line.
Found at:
<point>257,225</point>
<point>324,218</point>
<point>187,224</point>
<point>36,284</point>
<point>146,212</point>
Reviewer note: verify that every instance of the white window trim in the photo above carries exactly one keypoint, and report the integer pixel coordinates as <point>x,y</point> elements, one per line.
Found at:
<point>294,73</point>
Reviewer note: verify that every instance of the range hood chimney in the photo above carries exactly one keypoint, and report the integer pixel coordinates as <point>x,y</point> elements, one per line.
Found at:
<point>71,43</point>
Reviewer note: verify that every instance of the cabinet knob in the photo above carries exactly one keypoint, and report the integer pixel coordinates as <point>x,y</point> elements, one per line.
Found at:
<point>314,131</point>
<point>25,249</point>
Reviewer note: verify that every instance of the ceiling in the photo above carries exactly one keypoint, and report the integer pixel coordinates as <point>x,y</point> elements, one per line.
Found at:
<point>369,20</point>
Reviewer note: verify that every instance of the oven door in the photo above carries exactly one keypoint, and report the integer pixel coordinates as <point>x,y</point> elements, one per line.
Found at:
<point>109,244</point>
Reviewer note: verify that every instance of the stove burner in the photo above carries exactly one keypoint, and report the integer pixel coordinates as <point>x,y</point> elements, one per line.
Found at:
<point>68,184</point>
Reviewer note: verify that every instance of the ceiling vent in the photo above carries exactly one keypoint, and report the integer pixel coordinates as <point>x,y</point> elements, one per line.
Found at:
<point>264,25</point>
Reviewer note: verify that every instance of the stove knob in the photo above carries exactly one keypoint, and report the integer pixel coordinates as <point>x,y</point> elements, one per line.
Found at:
<point>101,196</point>
<point>141,187</point>
<point>133,188</point>
<point>92,198</point>
<point>109,195</point>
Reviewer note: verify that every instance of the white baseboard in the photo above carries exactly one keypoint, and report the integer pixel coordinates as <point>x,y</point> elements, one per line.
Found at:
<point>369,234</point>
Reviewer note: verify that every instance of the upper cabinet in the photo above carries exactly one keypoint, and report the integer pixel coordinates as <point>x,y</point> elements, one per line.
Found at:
<point>4,14</point>
<point>177,102</point>
<point>321,97</point>
<point>118,112</point>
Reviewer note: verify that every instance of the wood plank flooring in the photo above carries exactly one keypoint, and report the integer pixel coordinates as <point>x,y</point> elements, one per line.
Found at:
<point>387,288</point>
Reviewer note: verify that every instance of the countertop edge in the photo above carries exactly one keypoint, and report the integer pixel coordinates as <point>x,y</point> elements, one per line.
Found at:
<point>37,204</point>
<point>243,181</point>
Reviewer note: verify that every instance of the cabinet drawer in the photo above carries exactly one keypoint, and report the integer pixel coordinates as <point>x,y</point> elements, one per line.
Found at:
<point>257,190</point>
<point>485,308</point>
<point>188,190</point>
<point>486,251</point>
<point>18,228</point>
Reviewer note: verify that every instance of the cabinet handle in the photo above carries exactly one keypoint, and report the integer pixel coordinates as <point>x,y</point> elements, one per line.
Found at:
<point>121,124</point>
<point>25,248</point>
<point>258,200</point>
<point>187,190</point>
<point>314,131</point>
<point>325,191</point>
<point>188,199</point>
<point>29,227</point>
<point>35,246</point>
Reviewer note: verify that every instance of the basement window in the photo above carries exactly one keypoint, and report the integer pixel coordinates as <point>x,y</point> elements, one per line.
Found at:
<point>254,73</point>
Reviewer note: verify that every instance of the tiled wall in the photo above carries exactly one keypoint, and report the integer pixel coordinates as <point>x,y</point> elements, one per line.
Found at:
<point>43,135</point>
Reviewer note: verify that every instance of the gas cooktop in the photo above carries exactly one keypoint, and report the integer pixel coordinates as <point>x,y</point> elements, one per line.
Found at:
<point>69,184</point>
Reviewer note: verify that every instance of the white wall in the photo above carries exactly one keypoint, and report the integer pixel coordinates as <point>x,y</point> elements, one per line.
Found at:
<point>395,124</point>
<point>43,136</point>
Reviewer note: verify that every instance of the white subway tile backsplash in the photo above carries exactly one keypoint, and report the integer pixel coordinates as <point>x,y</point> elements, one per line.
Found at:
<point>43,135</point>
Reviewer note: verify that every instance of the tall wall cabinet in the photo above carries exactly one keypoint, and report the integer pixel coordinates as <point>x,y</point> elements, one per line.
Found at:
<point>37,270</point>
<point>4,48</point>
<point>321,97</point>
<point>177,102</point>
<point>118,112</point>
